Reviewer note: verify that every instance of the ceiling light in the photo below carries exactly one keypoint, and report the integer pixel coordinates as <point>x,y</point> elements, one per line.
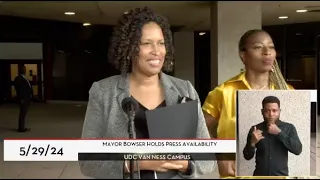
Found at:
<point>202,33</point>
<point>301,10</point>
<point>283,17</point>
<point>69,13</point>
<point>86,24</point>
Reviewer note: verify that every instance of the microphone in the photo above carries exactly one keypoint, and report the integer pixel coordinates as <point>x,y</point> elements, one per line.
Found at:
<point>129,104</point>
<point>130,107</point>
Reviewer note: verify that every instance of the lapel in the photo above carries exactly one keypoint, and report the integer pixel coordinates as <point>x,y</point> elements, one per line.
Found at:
<point>25,79</point>
<point>171,93</point>
<point>123,88</point>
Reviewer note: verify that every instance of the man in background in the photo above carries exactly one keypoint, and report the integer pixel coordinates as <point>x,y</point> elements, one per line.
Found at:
<point>24,94</point>
<point>271,140</point>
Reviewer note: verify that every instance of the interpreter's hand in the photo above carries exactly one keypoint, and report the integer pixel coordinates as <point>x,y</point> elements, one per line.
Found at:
<point>274,129</point>
<point>159,165</point>
<point>227,168</point>
<point>256,136</point>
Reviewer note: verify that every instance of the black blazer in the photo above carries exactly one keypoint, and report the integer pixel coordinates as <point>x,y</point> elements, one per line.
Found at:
<point>23,88</point>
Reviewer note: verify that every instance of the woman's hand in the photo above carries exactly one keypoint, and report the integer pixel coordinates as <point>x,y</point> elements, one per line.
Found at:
<point>158,165</point>
<point>184,164</point>
<point>226,168</point>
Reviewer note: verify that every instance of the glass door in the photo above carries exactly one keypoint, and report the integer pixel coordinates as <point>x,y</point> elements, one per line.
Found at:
<point>301,57</point>
<point>301,70</point>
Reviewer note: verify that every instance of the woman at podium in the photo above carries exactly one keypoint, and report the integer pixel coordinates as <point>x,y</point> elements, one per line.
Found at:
<point>142,49</point>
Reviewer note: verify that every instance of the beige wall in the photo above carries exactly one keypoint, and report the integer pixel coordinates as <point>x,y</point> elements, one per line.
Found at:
<point>184,55</point>
<point>295,107</point>
<point>226,29</point>
<point>14,51</point>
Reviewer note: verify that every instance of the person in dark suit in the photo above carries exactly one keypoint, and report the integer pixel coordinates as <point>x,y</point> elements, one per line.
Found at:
<point>141,48</point>
<point>271,140</point>
<point>24,94</point>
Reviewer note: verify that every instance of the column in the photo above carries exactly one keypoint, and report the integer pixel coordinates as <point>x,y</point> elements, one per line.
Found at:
<point>229,21</point>
<point>184,55</point>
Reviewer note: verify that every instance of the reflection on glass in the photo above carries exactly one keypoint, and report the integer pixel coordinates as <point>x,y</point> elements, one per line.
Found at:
<point>301,69</point>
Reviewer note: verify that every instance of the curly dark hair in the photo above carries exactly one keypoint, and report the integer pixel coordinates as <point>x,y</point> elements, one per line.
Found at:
<point>125,40</point>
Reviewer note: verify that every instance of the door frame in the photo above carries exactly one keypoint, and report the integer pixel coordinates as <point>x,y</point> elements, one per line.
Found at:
<point>4,81</point>
<point>318,72</point>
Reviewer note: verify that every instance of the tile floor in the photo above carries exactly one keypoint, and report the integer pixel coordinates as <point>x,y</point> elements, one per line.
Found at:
<point>52,121</point>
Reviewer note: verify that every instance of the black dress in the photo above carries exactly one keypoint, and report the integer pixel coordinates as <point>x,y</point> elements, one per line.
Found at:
<point>140,122</point>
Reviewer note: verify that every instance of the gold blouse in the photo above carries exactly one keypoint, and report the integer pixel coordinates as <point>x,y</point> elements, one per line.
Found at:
<point>221,104</point>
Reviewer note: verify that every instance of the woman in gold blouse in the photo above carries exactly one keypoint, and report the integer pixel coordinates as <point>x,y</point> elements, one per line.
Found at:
<point>257,52</point>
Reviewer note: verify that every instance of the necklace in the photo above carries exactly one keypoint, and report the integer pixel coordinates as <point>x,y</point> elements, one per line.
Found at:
<point>263,87</point>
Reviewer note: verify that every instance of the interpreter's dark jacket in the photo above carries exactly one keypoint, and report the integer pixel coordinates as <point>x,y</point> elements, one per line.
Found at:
<point>272,151</point>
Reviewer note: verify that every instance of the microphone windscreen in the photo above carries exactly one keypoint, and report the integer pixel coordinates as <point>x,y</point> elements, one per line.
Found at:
<point>129,104</point>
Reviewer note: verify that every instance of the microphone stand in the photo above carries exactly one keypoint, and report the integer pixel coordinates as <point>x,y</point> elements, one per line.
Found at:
<point>132,135</point>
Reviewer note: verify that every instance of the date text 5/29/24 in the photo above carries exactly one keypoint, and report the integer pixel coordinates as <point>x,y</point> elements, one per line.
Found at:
<point>47,150</point>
